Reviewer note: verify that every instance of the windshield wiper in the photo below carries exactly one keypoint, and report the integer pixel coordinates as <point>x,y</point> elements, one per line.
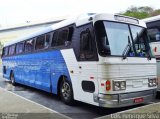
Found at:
<point>125,52</point>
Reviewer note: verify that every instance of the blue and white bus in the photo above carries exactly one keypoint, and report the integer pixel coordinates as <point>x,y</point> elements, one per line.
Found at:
<point>99,59</point>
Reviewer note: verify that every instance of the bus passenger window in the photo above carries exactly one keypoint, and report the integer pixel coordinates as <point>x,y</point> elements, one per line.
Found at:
<point>47,41</point>
<point>29,45</point>
<point>54,39</point>
<point>40,42</point>
<point>62,37</point>
<point>69,39</point>
<point>86,49</point>
<point>11,50</point>
<point>19,48</point>
<point>5,51</point>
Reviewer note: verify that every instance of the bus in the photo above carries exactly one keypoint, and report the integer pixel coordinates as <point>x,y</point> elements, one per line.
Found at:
<point>99,59</point>
<point>153,26</point>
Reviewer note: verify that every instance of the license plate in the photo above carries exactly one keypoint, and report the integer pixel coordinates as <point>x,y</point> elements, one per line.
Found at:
<point>138,100</point>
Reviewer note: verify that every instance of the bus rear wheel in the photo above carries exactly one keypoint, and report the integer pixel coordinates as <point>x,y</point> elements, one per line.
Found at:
<point>12,79</point>
<point>66,92</point>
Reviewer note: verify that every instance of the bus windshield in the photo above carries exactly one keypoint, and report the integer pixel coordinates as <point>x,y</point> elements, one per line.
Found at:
<point>116,38</point>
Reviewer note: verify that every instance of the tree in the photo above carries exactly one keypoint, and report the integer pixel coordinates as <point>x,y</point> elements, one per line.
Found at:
<point>141,12</point>
<point>155,13</point>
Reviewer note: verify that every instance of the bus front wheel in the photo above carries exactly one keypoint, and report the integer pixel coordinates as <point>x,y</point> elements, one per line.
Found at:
<point>66,92</point>
<point>12,78</point>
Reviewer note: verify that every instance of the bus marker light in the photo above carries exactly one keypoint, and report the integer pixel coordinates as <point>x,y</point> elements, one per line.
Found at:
<point>155,49</point>
<point>91,77</point>
<point>102,84</point>
<point>108,85</point>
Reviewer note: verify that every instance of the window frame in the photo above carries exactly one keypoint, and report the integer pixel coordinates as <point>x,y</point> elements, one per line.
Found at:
<point>25,51</point>
<point>22,47</point>
<point>69,37</point>
<point>3,53</point>
<point>76,42</point>
<point>13,45</point>
<point>51,33</point>
<point>36,39</point>
<point>131,39</point>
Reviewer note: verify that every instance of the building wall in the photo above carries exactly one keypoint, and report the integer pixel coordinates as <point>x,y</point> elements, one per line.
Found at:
<point>12,34</point>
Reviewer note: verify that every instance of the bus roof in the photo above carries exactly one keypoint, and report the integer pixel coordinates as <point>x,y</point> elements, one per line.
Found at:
<point>152,19</point>
<point>78,21</point>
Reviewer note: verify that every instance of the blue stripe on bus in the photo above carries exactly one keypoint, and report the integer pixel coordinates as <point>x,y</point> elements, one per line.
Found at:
<point>39,70</point>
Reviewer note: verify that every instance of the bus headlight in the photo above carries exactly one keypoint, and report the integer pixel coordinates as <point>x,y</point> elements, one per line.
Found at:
<point>152,82</point>
<point>119,85</point>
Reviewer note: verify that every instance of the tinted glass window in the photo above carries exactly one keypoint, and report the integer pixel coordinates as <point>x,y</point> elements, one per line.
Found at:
<point>19,48</point>
<point>29,45</point>
<point>11,50</point>
<point>40,42</point>
<point>5,51</point>
<point>54,39</point>
<point>86,45</point>
<point>62,37</point>
<point>154,34</point>
<point>47,41</point>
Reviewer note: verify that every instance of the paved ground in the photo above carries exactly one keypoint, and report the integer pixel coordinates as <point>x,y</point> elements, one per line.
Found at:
<point>16,106</point>
<point>79,111</point>
<point>151,111</point>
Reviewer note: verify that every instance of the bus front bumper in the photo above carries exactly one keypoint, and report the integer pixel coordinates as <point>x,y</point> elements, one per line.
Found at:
<point>125,99</point>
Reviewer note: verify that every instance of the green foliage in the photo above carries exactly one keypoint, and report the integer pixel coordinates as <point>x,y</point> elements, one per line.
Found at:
<point>141,12</point>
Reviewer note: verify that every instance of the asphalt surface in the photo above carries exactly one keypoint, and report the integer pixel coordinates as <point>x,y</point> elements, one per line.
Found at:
<point>79,111</point>
<point>13,106</point>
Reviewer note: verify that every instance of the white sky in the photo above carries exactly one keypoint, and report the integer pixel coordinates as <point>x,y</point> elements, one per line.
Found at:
<point>19,11</point>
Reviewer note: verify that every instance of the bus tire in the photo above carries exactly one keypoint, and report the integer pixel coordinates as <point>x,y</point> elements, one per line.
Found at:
<point>66,92</point>
<point>12,79</point>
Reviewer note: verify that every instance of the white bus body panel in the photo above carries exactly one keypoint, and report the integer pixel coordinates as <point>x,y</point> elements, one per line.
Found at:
<point>135,71</point>
<point>155,49</point>
<point>87,70</point>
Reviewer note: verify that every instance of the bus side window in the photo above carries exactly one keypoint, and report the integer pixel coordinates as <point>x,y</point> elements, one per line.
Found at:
<point>5,51</point>
<point>29,45</point>
<point>62,37</point>
<point>47,40</point>
<point>19,48</point>
<point>11,49</point>
<point>86,48</point>
<point>54,39</point>
<point>69,38</point>
<point>40,42</point>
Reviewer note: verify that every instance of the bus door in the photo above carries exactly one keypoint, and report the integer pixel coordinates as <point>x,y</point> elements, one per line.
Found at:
<point>87,64</point>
